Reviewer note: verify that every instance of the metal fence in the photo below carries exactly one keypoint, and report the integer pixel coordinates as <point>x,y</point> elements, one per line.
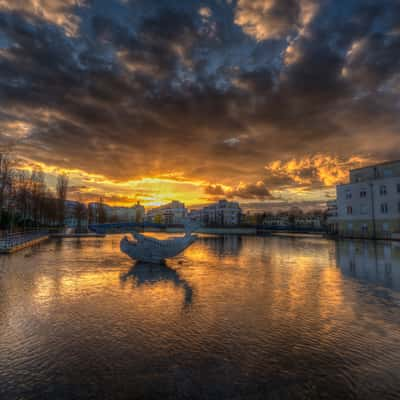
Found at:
<point>10,240</point>
<point>292,228</point>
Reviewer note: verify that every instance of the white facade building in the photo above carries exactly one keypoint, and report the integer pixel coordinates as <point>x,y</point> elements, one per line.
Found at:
<point>222,213</point>
<point>279,221</point>
<point>309,221</point>
<point>369,206</point>
<point>174,212</point>
<point>299,221</point>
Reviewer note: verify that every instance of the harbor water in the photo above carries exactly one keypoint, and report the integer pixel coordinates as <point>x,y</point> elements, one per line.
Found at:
<point>233,317</point>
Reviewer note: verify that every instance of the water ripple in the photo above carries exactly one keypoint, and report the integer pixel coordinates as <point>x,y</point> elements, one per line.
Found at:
<point>233,317</point>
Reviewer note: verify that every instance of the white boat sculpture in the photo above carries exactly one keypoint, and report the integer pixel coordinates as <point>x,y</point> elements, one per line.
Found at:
<point>152,250</point>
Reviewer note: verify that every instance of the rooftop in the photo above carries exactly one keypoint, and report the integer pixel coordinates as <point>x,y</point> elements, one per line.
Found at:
<point>377,171</point>
<point>382,164</point>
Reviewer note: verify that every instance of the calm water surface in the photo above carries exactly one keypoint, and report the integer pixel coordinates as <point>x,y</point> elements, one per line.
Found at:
<point>232,318</point>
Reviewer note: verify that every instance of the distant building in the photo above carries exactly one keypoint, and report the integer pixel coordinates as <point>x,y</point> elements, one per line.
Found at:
<point>195,215</point>
<point>369,205</point>
<point>75,214</point>
<point>172,213</point>
<point>135,213</point>
<point>127,214</point>
<point>99,213</point>
<point>299,220</point>
<point>332,216</point>
<point>309,221</point>
<point>222,213</point>
<point>278,221</point>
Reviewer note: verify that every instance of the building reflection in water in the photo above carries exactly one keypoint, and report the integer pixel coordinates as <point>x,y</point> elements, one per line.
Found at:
<point>152,274</point>
<point>374,262</point>
<point>222,246</point>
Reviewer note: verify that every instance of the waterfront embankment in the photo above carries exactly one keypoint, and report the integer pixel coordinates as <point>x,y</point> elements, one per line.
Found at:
<point>13,242</point>
<point>216,231</point>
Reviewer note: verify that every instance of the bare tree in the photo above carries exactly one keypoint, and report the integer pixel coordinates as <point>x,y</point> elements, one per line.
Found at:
<point>50,209</point>
<point>25,198</point>
<point>101,212</point>
<point>91,214</point>
<point>38,192</point>
<point>6,180</point>
<point>80,214</point>
<point>62,190</point>
<point>22,195</point>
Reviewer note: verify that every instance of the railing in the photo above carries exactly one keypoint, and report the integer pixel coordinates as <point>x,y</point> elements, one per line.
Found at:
<point>292,228</point>
<point>122,226</point>
<point>10,240</point>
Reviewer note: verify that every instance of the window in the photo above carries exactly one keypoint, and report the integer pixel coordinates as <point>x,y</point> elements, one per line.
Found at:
<point>398,188</point>
<point>387,173</point>
<point>384,208</point>
<point>398,207</point>
<point>363,193</point>
<point>364,228</point>
<point>385,227</point>
<point>349,210</point>
<point>364,209</point>
<point>348,195</point>
<point>383,190</point>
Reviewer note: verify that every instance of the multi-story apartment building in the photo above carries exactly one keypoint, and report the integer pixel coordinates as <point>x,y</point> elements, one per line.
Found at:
<point>174,212</point>
<point>222,213</point>
<point>309,221</point>
<point>277,221</point>
<point>369,206</point>
<point>290,221</point>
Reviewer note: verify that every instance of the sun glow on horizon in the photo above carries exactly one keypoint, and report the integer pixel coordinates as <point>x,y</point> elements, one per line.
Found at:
<point>305,179</point>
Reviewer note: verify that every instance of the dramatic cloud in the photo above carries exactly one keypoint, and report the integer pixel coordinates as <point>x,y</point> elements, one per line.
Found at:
<point>58,12</point>
<point>186,98</point>
<point>253,191</point>
<point>274,19</point>
<point>267,19</point>
<point>316,171</point>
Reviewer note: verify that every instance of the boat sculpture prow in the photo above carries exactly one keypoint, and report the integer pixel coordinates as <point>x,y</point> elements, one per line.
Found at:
<point>152,250</point>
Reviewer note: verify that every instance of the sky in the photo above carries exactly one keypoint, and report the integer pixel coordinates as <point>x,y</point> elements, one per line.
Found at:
<point>260,101</point>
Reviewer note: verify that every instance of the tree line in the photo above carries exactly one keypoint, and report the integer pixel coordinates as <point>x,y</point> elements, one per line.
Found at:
<point>25,199</point>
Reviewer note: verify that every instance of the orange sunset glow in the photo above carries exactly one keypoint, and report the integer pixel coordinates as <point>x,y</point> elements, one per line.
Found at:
<point>307,179</point>
<point>261,108</point>
<point>199,199</point>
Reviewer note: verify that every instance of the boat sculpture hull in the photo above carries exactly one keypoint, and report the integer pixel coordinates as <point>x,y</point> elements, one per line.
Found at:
<point>152,250</point>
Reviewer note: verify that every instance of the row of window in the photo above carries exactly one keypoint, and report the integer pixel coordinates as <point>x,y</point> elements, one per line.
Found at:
<point>384,208</point>
<point>363,193</point>
<point>364,228</point>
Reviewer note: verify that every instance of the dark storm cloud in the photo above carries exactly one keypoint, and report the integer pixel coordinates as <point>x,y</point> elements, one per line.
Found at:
<point>138,88</point>
<point>255,191</point>
<point>215,190</point>
<point>251,191</point>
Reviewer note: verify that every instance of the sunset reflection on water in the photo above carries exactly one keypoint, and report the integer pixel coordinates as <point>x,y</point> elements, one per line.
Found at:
<point>286,317</point>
